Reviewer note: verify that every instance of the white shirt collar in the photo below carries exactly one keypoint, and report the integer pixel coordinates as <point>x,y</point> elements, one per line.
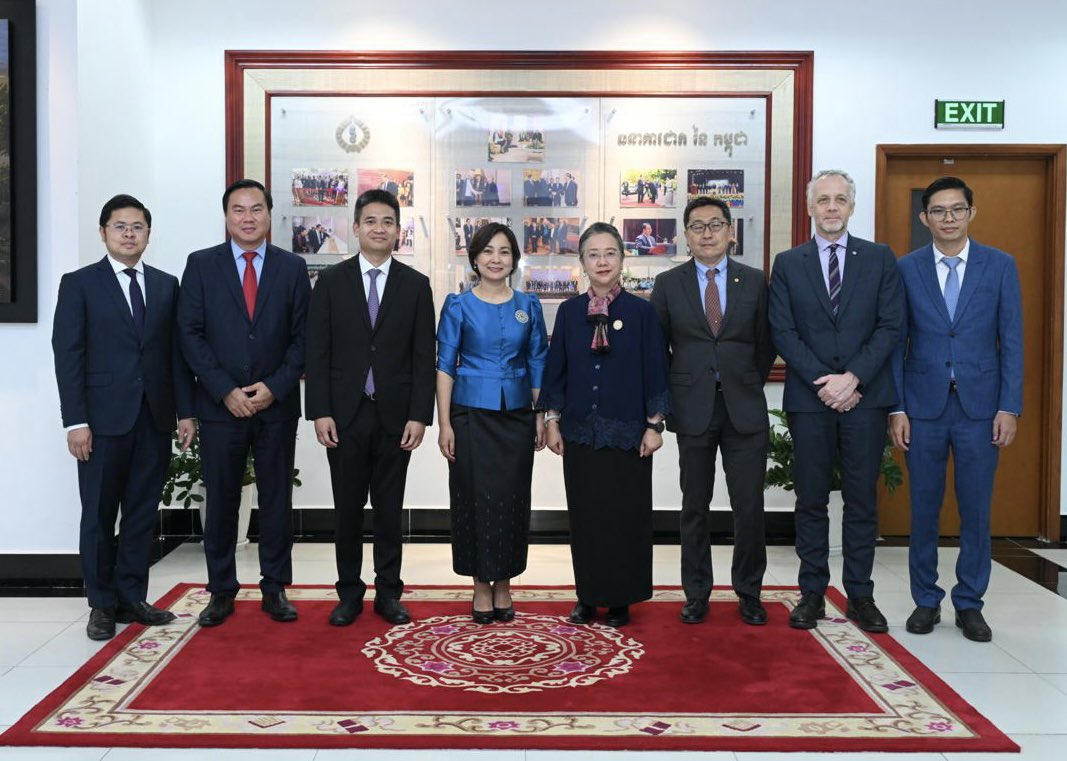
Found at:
<point>365,266</point>
<point>119,267</point>
<point>962,255</point>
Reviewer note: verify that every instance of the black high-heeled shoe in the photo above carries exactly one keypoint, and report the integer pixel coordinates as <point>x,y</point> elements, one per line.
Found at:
<point>504,614</point>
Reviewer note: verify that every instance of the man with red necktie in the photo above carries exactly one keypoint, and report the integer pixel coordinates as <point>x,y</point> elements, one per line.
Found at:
<point>241,315</point>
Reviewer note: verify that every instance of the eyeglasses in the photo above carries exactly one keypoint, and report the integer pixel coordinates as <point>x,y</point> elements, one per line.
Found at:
<point>598,256</point>
<point>939,214</point>
<point>122,228</point>
<point>715,225</point>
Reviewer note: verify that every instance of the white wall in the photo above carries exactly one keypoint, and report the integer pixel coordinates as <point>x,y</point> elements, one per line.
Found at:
<point>878,69</point>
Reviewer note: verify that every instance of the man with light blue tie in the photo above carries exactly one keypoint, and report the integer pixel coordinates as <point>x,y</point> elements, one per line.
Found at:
<point>959,377</point>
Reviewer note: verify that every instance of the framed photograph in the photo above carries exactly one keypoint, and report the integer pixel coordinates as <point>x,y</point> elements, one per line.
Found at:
<point>325,236</point>
<point>648,188</point>
<point>464,121</point>
<point>399,182</point>
<point>550,187</point>
<point>650,237</point>
<point>466,227</point>
<point>543,236</point>
<point>551,282</point>
<point>727,184</point>
<point>320,187</point>
<point>18,162</point>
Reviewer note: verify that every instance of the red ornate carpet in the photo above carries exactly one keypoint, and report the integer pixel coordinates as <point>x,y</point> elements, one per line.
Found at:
<point>539,682</point>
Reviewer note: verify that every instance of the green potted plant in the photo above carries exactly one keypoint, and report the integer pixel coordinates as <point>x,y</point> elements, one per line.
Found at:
<point>780,457</point>
<point>185,483</point>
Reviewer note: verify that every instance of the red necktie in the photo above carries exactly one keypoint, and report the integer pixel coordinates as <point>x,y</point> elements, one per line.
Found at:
<point>712,304</point>
<point>250,284</point>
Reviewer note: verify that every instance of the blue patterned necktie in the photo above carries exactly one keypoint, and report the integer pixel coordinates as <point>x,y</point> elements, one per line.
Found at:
<point>136,302</point>
<point>835,278</point>
<point>372,307</point>
<point>952,285</point>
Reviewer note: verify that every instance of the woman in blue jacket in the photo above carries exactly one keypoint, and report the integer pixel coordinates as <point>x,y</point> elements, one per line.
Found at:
<point>490,358</point>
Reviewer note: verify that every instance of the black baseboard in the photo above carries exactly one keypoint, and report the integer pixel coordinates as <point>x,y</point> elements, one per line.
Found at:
<point>433,525</point>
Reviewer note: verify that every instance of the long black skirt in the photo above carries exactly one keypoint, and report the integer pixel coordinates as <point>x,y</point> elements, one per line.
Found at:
<point>489,489</point>
<point>609,498</point>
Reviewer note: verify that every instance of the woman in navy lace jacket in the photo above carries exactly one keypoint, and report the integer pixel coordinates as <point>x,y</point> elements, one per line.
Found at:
<point>605,389</point>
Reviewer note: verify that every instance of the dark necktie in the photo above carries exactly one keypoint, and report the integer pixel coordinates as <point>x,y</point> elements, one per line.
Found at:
<point>712,305</point>
<point>136,302</point>
<point>372,307</point>
<point>250,285</point>
<point>835,278</point>
<point>952,285</point>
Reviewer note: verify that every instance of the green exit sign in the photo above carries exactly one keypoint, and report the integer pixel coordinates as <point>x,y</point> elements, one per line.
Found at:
<point>973,114</point>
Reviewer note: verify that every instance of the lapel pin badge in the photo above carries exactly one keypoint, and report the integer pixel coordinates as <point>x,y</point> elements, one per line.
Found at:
<point>617,325</point>
<point>521,316</point>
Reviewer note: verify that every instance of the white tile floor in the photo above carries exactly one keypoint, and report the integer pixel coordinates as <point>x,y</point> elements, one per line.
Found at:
<point>1019,680</point>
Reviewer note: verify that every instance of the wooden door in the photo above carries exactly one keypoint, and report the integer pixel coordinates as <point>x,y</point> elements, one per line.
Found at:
<point>1019,197</point>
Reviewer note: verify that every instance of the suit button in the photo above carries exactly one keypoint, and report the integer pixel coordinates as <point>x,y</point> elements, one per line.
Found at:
<point>596,388</point>
<point>596,367</point>
<point>373,347</point>
<point>594,407</point>
<point>952,334</point>
<point>252,336</point>
<point>948,364</point>
<point>837,359</point>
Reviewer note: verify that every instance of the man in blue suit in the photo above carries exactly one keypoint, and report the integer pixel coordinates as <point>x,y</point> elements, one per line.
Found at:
<point>241,318</point>
<point>121,382</point>
<point>835,309</point>
<point>959,376</point>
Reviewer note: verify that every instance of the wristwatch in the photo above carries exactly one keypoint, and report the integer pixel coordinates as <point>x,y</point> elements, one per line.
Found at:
<point>657,427</point>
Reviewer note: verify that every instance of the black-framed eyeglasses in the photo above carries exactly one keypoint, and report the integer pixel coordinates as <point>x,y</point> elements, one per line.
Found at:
<point>698,228</point>
<point>940,214</point>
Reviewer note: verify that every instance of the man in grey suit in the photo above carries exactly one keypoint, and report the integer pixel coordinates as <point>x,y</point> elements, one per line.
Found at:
<point>714,317</point>
<point>836,310</point>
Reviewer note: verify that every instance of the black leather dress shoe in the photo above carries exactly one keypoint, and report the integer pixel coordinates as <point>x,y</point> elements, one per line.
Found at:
<point>694,611</point>
<point>582,613</point>
<point>218,610</point>
<point>277,606</point>
<point>923,620</point>
<point>617,617</point>
<point>973,624</point>
<point>101,624</point>
<point>808,611</point>
<point>346,612</point>
<point>143,613</point>
<point>751,610</point>
<point>481,616</point>
<point>865,613</point>
<point>504,614</point>
<point>393,611</point>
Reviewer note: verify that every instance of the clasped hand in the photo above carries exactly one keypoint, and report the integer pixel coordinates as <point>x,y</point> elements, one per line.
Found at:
<point>838,392</point>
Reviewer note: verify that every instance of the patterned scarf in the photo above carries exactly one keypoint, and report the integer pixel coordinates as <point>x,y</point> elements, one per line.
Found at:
<point>598,315</point>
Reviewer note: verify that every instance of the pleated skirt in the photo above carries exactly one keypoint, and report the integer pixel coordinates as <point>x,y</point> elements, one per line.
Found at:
<point>609,499</point>
<point>489,490</point>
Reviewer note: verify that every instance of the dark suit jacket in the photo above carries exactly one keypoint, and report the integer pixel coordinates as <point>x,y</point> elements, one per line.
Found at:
<point>984,341</point>
<point>742,353</point>
<point>102,369</point>
<point>342,347</point>
<point>860,339</point>
<point>225,349</point>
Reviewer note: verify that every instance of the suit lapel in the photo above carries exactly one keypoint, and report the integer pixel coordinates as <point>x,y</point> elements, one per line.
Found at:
<point>818,285</point>
<point>268,276</point>
<point>976,270</point>
<point>354,284</point>
<point>154,298</point>
<point>735,283</point>
<point>227,269</point>
<point>853,271</point>
<point>110,286</point>
<point>691,294</point>
<point>928,275</point>
<point>393,285</point>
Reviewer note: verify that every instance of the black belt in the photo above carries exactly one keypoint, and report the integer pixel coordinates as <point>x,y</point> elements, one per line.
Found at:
<point>952,387</point>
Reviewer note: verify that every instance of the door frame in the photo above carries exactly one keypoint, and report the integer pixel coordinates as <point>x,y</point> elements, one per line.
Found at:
<point>1055,158</point>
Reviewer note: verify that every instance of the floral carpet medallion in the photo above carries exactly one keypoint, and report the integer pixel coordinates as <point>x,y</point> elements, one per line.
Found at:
<point>536,682</point>
<point>533,653</point>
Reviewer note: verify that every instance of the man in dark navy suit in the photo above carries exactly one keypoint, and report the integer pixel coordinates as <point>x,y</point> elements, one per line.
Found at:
<point>121,382</point>
<point>241,320</point>
<point>836,309</point>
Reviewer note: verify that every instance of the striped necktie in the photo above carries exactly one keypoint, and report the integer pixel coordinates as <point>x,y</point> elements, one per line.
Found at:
<point>835,278</point>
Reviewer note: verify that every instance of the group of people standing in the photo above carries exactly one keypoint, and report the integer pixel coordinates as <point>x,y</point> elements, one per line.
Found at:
<point>862,335</point>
